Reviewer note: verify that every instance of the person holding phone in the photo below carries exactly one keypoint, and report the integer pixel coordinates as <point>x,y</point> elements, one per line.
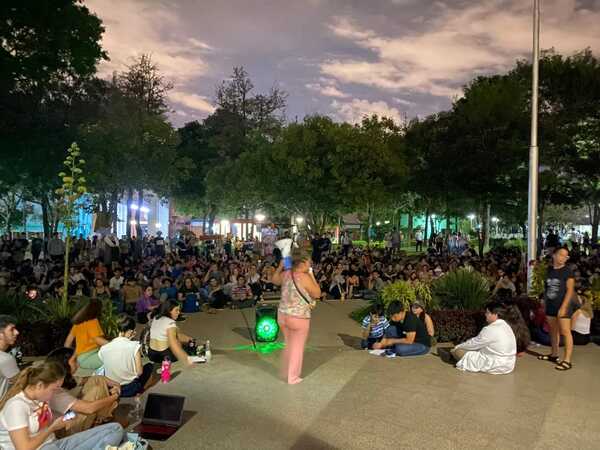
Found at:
<point>298,291</point>
<point>26,420</point>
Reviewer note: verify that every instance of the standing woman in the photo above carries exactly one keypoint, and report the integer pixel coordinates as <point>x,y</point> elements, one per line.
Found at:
<point>298,291</point>
<point>559,290</point>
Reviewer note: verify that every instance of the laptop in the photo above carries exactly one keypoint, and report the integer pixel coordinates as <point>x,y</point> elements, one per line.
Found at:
<point>163,415</point>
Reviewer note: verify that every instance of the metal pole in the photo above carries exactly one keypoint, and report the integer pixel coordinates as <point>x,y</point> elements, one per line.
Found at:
<point>533,149</point>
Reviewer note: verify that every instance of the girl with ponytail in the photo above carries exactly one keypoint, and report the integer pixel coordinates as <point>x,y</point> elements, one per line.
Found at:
<point>26,421</point>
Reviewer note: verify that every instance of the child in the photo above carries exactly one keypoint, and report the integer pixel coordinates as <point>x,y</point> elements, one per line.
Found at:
<point>374,326</point>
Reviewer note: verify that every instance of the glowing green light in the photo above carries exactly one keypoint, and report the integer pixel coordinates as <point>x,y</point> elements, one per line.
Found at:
<point>266,329</point>
<point>263,348</point>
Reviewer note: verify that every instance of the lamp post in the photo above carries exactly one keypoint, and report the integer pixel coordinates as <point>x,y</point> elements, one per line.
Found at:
<point>533,150</point>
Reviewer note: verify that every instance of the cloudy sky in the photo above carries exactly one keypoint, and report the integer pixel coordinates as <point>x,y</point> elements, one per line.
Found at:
<point>344,58</point>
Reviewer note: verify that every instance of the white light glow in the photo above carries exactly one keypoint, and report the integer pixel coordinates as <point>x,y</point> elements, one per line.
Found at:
<point>387,222</point>
<point>158,225</point>
<point>134,206</point>
<point>433,216</point>
<point>260,217</point>
<point>471,216</point>
<point>224,222</point>
<point>495,219</point>
<point>144,209</point>
<point>133,222</point>
<point>299,219</point>
<point>378,223</point>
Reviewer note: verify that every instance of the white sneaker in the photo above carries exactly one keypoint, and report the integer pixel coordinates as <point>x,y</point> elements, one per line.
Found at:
<point>378,352</point>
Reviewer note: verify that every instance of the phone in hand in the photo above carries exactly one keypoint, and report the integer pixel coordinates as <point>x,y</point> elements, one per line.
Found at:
<point>69,415</point>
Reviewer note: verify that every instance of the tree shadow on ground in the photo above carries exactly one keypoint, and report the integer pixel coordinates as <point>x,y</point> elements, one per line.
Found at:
<point>350,341</point>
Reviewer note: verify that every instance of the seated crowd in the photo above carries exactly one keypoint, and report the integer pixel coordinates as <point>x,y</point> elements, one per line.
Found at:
<point>152,284</point>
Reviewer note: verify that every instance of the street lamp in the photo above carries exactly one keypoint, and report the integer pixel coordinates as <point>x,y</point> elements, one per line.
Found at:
<point>378,223</point>
<point>299,220</point>
<point>260,217</point>
<point>387,222</point>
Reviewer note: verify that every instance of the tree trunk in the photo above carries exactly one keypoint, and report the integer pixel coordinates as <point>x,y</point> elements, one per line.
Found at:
<point>410,228</point>
<point>594,221</point>
<point>45,218</point>
<point>487,226</point>
<point>426,226</point>
<point>114,202</point>
<point>481,230</point>
<point>138,216</point>
<point>129,217</point>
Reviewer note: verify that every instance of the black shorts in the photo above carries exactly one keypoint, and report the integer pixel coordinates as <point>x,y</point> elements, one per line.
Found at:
<point>553,308</point>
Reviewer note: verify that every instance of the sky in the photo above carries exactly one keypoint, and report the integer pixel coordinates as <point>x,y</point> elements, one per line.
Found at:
<point>342,58</point>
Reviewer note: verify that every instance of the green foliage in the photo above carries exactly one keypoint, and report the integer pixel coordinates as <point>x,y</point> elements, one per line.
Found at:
<point>423,293</point>
<point>21,308</point>
<point>516,243</point>
<point>539,276</point>
<point>108,320</point>
<point>56,309</point>
<point>399,291</point>
<point>463,288</point>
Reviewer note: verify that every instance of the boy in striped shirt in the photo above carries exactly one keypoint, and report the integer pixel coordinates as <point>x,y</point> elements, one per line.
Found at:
<point>374,326</point>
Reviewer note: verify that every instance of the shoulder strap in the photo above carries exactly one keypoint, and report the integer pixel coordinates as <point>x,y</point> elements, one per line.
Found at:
<point>299,291</point>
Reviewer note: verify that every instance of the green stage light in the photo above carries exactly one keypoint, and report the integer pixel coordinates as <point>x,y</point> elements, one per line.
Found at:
<point>266,329</point>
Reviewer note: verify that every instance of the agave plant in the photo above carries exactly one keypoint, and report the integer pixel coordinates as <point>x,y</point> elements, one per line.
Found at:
<point>540,271</point>
<point>108,319</point>
<point>58,310</point>
<point>463,288</point>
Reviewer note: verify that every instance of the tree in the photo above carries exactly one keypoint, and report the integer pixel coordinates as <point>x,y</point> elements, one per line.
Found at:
<point>72,190</point>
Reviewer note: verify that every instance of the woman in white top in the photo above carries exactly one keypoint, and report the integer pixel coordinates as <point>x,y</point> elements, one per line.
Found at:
<point>165,338</point>
<point>581,321</point>
<point>26,420</point>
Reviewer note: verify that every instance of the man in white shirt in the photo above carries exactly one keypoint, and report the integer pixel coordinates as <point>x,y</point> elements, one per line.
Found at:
<point>419,240</point>
<point>8,365</point>
<point>122,359</point>
<point>493,350</point>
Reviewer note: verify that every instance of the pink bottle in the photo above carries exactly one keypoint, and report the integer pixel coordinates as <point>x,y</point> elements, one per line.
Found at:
<point>165,374</point>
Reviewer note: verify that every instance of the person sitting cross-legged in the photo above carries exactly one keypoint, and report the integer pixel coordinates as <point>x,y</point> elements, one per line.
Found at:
<point>407,335</point>
<point>493,350</point>
<point>122,359</point>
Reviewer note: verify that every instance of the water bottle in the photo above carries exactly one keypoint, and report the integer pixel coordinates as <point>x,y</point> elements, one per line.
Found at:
<point>165,374</point>
<point>207,353</point>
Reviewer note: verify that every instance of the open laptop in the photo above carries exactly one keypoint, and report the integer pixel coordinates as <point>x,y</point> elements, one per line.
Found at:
<point>163,415</point>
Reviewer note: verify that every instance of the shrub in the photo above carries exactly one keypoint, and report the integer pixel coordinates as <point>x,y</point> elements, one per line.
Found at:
<point>399,291</point>
<point>108,320</point>
<point>57,310</point>
<point>454,325</point>
<point>463,288</point>
<point>516,243</point>
<point>540,271</point>
<point>22,308</point>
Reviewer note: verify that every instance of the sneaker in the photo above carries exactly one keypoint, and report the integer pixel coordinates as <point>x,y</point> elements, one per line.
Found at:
<point>390,354</point>
<point>376,352</point>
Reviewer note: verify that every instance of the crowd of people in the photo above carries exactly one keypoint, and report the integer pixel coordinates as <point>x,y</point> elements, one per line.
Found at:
<point>156,281</point>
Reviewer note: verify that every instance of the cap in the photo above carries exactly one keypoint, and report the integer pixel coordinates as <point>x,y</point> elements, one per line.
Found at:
<point>417,304</point>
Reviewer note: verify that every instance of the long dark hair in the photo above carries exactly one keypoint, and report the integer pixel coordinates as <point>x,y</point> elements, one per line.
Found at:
<point>90,311</point>
<point>166,308</point>
<point>512,315</point>
<point>62,356</point>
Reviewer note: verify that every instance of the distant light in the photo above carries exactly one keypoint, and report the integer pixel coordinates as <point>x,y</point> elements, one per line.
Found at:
<point>144,209</point>
<point>158,225</point>
<point>299,219</point>
<point>495,219</point>
<point>386,222</point>
<point>471,216</point>
<point>378,223</point>
<point>134,206</point>
<point>433,216</point>
<point>133,222</point>
<point>260,217</point>
<point>224,222</point>
<point>143,222</point>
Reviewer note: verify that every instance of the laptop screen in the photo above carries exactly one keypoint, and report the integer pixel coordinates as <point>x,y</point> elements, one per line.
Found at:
<point>164,410</point>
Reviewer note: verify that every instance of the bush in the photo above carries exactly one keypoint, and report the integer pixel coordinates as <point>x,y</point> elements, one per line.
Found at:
<point>452,325</point>
<point>539,276</point>
<point>22,308</point>
<point>519,244</point>
<point>463,288</point>
<point>399,291</point>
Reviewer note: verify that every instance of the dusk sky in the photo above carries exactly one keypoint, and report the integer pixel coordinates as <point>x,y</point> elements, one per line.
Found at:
<point>341,58</point>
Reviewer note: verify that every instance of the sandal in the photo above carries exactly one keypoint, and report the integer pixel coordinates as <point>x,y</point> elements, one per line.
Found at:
<point>550,358</point>
<point>563,365</point>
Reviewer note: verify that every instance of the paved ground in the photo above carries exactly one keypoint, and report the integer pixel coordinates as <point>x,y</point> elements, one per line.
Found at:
<point>352,400</point>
